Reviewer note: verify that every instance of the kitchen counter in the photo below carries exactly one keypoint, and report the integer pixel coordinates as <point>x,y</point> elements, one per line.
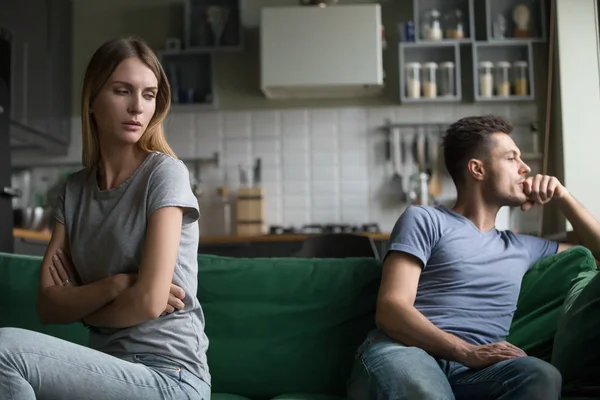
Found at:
<point>232,239</point>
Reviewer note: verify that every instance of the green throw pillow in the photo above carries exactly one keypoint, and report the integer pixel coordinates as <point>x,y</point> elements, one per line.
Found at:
<point>576,352</point>
<point>543,291</point>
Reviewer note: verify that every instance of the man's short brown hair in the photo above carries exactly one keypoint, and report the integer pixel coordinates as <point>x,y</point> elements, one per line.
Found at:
<point>469,138</point>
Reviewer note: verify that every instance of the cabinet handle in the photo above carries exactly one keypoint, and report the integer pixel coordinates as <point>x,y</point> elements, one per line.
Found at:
<point>8,191</point>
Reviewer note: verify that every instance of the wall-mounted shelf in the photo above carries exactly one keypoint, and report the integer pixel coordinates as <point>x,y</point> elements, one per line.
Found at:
<point>502,13</point>
<point>191,75</point>
<point>415,88</point>
<point>488,82</point>
<point>212,25</point>
<point>480,41</point>
<point>456,21</point>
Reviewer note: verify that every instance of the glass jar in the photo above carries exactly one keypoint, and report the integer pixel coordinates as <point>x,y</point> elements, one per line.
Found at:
<point>431,28</point>
<point>429,71</point>
<point>503,78</point>
<point>454,24</point>
<point>413,80</point>
<point>486,79</point>
<point>521,81</point>
<point>446,79</point>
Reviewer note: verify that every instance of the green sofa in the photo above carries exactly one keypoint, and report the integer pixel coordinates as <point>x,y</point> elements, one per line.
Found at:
<point>287,328</point>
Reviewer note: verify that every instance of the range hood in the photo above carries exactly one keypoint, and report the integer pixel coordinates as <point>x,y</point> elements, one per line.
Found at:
<point>312,52</point>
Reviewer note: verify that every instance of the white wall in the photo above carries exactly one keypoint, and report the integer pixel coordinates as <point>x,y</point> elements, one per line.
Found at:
<point>320,165</point>
<point>577,30</point>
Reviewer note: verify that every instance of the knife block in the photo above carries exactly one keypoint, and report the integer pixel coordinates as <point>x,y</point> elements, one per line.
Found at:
<point>250,217</point>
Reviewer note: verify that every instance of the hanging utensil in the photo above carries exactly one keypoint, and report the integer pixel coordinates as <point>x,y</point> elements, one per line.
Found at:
<point>421,152</point>
<point>435,182</point>
<point>257,172</point>
<point>397,179</point>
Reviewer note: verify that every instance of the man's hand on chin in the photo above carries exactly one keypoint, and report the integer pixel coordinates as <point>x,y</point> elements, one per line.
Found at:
<point>541,189</point>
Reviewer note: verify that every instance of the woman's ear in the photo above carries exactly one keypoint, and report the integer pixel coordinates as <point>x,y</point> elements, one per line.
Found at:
<point>476,169</point>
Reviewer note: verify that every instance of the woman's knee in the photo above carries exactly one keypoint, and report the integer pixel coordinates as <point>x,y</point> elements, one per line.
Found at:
<point>17,339</point>
<point>10,336</point>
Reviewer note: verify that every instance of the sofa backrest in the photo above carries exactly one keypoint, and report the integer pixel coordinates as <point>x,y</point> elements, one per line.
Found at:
<point>19,281</point>
<point>275,325</point>
<point>282,325</point>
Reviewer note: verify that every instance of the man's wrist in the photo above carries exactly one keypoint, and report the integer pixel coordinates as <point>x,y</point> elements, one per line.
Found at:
<point>562,197</point>
<point>461,350</point>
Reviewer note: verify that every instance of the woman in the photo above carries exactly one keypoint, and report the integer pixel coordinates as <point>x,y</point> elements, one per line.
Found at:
<point>123,254</point>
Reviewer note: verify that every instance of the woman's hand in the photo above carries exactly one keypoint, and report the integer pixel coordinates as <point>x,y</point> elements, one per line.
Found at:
<point>176,296</point>
<point>61,270</point>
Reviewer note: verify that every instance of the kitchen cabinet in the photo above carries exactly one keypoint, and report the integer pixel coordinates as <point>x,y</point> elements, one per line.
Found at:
<point>417,84</point>
<point>192,78</point>
<point>60,25</point>
<point>210,26</point>
<point>41,30</point>
<point>6,217</point>
<point>317,53</point>
<point>489,62</point>
<point>213,24</point>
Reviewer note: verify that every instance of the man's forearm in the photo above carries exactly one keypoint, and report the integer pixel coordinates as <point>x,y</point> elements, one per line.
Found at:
<point>128,309</point>
<point>68,304</point>
<point>411,328</point>
<point>584,224</point>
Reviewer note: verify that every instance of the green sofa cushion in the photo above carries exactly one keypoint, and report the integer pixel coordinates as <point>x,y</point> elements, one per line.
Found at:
<point>19,282</point>
<point>576,353</point>
<point>543,291</point>
<point>302,396</point>
<point>286,325</point>
<point>226,396</point>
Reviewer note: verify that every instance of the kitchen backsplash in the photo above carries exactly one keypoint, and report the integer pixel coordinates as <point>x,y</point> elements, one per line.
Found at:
<point>320,166</point>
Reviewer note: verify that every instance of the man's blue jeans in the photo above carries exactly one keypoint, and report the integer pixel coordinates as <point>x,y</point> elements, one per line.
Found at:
<point>386,370</point>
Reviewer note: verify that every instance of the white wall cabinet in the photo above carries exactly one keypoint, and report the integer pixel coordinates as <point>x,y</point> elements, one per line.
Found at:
<point>314,52</point>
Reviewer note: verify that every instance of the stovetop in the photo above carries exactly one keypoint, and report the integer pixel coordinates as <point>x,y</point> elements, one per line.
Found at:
<point>325,228</point>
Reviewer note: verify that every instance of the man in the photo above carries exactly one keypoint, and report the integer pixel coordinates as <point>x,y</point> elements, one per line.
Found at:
<point>451,281</point>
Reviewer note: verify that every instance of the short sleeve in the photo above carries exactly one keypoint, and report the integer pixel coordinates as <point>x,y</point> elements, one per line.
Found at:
<point>170,186</point>
<point>415,233</point>
<point>538,248</point>
<point>59,206</point>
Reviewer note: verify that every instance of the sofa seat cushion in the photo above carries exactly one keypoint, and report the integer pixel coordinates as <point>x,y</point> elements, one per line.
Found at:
<point>285,325</point>
<point>307,396</point>
<point>226,396</point>
<point>543,292</point>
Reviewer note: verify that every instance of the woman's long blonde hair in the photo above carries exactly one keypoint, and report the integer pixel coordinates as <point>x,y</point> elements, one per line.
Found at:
<point>101,66</point>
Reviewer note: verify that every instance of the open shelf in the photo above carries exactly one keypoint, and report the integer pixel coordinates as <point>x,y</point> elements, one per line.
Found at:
<point>535,28</point>
<point>494,53</point>
<point>201,34</point>
<point>438,53</point>
<point>191,76</point>
<point>447,10</point>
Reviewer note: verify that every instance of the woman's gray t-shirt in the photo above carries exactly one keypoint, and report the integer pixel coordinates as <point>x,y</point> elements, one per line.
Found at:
<point>106,232</point>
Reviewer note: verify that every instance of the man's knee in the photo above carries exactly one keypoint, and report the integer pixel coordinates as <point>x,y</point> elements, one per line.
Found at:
<point>540,378</point>
<point>388,370</point>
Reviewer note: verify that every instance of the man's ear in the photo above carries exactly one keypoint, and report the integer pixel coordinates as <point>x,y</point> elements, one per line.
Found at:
<point>476,169</point>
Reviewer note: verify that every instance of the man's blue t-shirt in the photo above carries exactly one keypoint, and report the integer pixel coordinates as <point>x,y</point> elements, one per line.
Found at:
<point>471,279</point>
